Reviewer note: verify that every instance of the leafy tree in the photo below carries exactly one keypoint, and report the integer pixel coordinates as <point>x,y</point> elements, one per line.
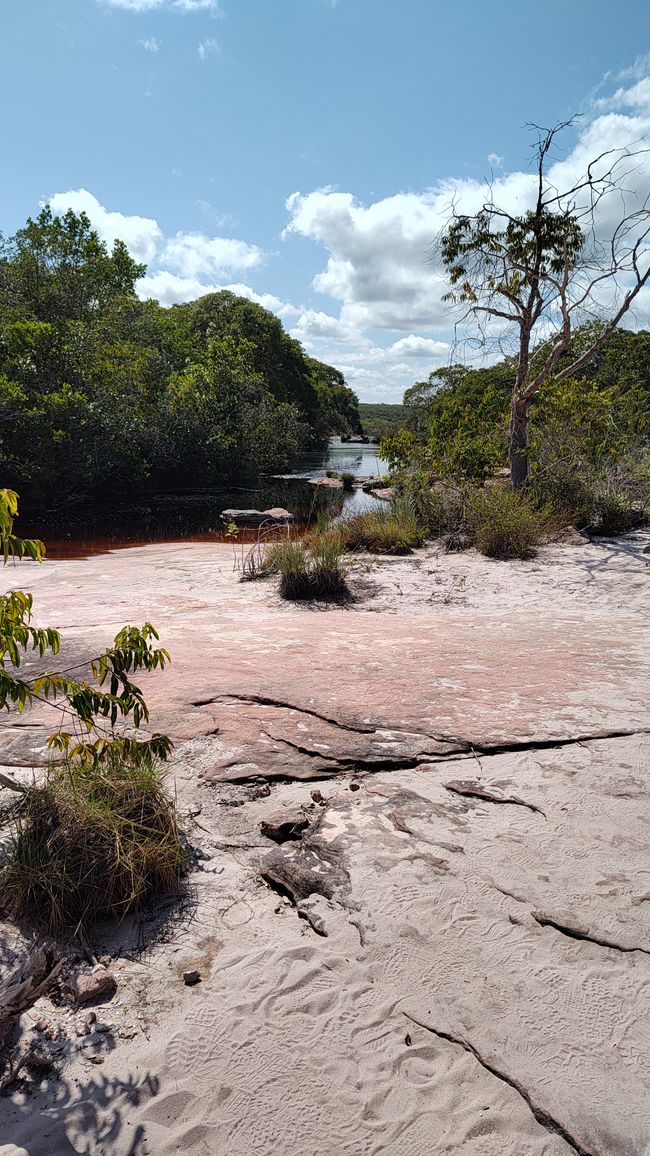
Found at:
<point>57,268</point>
<point>543,269</point>
<point>100,391</point>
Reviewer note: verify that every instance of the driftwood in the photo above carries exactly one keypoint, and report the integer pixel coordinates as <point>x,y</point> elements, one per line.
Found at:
<point>25,985</point>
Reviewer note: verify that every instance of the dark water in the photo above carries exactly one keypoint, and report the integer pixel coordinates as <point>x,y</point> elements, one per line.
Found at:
<point>195,515</point>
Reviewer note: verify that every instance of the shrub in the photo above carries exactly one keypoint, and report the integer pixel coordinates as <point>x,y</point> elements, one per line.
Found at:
<point>348,481</point>
<point>614,513</point>
<point>438,506</point>
<point>504,524</point>
<point>392,530</point>
<point>95,839</point>
<point>312,568</point>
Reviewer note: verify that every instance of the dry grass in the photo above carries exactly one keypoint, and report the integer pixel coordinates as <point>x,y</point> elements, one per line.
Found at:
<point>92,841</point>
<point>390,530</point>
<point>504,524</point>
<point>312,568</point>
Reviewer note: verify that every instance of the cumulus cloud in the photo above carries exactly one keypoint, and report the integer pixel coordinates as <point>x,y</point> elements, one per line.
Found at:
<point>152,44</point>
<point>379,269</point>
<point>172,289</point>
<point>141,235</point>
<point>195,255</point>
<point>386,325</point>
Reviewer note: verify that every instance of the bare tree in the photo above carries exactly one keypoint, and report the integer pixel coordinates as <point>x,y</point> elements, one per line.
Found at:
<point>540,274</point>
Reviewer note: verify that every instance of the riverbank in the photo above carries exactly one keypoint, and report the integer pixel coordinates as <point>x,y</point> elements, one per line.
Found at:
<point>465,747</point>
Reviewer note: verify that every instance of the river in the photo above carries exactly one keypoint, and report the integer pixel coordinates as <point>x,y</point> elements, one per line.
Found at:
<point>196,515</point>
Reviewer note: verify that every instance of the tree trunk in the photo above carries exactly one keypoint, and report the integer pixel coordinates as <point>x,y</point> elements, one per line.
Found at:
<point>518,443</point>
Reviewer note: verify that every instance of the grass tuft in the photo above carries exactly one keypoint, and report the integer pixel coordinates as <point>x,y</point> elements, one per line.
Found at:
<point>390,530</point>
<point>504,524</point>
<point>312,568</point>
<point>92,841</point>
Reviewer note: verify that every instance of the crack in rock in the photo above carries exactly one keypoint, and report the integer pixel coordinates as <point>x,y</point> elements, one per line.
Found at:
<point>263,700</point>
<point>575,932</point>
<point>541,1115</point>
<point>474,790</point>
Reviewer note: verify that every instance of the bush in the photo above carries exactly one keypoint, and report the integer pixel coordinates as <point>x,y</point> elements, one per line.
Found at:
<point>348,481</point>
<point>438,506</point>
<point>393,530</point>
<point>614,513</point>
<point>95,839</point>
<point>504,524</point>
<point>312,568</point>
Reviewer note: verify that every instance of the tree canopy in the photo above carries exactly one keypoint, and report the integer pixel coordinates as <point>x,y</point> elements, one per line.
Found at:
<point>100,391</point>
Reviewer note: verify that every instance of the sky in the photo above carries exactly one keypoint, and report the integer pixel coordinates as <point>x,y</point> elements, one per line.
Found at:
<point>305,153</point>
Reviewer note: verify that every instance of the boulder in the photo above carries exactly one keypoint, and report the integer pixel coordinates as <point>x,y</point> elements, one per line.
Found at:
<point>275,516</point>
<point>328,483</point>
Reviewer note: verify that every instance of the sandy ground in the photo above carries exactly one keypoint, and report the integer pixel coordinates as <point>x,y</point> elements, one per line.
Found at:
<point>454,957</point>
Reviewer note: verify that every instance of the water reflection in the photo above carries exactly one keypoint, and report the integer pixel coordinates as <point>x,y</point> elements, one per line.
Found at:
<point>196,516</point>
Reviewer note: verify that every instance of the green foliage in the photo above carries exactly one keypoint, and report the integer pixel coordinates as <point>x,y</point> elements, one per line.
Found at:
<point>92,840</point>
<point>504,524</point>
<point>57,268</point>
<point>100,391</point>
<point>380,420</point>
<point>437,505</point>
<point>312,568</point>
<point>484,256</point>
<point>463,416</point>
<point>393,529</point>
<point>347,481</point>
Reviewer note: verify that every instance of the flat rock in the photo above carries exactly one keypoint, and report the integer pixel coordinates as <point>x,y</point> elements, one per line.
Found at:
<point>276,516</point>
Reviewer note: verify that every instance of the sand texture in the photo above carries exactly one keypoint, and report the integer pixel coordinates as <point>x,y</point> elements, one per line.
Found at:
<point>453,956</point>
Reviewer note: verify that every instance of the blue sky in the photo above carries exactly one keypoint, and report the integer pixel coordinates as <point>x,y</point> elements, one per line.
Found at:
<point>304,151</point>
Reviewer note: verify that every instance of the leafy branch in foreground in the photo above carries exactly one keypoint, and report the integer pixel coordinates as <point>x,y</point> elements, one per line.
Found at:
<point>91,710</point>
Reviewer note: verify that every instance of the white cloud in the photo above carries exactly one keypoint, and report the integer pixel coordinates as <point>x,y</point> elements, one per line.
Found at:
<point>195,255</point>
<point>141,235</point>
<point>386,325</point>
<point>173,289</point>
<point>151,45</point>
<point>207,48</point>
<point>177,5</point>
<point>495,161</point>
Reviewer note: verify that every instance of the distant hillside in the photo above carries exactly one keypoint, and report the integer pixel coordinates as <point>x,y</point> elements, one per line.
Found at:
<point>380,421</point>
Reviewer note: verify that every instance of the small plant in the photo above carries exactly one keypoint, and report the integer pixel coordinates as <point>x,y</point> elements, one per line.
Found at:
<point>615,513</point>
<point>312,568</point>
<point>504,524</point>
<point>437,504</point>
<point>393,530</point>
<point>94,839</point>
<point>348,482</point>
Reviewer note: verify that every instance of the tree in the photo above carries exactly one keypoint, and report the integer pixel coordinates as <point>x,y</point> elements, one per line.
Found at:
<point>545,270</point>
<point>57,268</point>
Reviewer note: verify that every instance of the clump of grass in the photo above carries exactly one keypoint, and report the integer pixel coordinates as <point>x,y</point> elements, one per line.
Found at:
<point>390,530</point>
<point>614,513</point>
<point>93,840</point>
<point>504,524</point>
<point>313,568</point>
<point>348,481</point>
